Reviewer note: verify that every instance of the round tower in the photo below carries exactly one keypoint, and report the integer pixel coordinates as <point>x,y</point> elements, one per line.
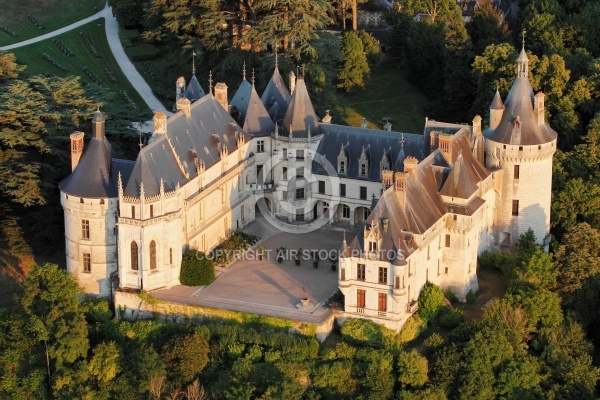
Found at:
<point>519,147</point>
<point>89,200</point>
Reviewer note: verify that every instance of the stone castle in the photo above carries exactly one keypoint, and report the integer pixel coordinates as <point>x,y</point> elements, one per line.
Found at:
<point>425,206</point>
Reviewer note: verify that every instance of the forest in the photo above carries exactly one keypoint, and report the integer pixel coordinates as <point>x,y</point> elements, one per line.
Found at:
<point>540,340</point>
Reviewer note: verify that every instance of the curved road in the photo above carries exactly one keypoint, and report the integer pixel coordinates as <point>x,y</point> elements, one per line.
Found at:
<point>112,35</point>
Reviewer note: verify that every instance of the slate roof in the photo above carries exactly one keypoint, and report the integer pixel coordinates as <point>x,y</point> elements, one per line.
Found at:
<point>191,139</point>
<point>194,90</point>
<point>249,111</point>
<point>276,92</point>
<point>91,177</point>
<point>497,103</point>
<point>422,205</point>
<point>374,141</point>
<point>300,113</point>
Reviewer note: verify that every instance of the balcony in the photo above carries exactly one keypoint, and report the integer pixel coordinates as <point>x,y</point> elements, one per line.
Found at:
<point>412,307</point>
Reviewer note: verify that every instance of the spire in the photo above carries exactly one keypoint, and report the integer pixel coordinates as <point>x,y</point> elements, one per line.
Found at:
<point>141,144</point>
<point>210,86</point>
<point>244,71</point>
<point>497,103</point>
<point>252,77</point>
<point>276,59</point>
<point>402,141</point>
<point>193,63</point>
<point>522,61</point>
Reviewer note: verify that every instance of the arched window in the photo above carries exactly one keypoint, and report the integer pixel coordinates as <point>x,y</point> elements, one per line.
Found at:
<point>134,256</point>
<point>152,255</point>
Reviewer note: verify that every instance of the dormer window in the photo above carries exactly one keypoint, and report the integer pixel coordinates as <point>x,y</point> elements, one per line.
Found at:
<point>384,165</point>
<point>372,246</point>
<point>342,161</point>
<point>363,162</point>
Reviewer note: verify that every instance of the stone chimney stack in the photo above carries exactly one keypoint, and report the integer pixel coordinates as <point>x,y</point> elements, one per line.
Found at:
<point>410,163</point>
<point>387,126</point>
<point>327,118</point>
<point>387,179</point>
<point>184,105</point>
<point>221,95</point>
<point>179,88</point>
<point>400,187</point>
<point>76,148</point>
<point>364,123</point>
<point>160,123</point>
<point>538,108</point>
<point>292,82</point>
<point>476,126</point>
<point>445,144</point>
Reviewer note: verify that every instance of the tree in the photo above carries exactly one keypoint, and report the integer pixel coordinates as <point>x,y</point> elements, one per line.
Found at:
<point>431,301</point>
<point>486,27</point>
<point>537,270</point>
<point>371,47</point>
<point>196,269</point>
<point>185,358</point>
<point>129,13</point>
<point>55,319</point>
<point>9,69</point>
<point>412,369</point>
<point>104,364</point>
<point>355,67</point>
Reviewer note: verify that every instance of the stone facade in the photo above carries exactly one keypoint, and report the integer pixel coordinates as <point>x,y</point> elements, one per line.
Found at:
<point>425,206</point>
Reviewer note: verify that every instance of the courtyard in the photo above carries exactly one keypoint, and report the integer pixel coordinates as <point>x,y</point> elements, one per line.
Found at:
<point>268,287</point>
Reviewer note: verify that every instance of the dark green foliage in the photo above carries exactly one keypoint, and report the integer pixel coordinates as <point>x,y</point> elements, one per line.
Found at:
<point>355,67</point>
<point>412,369</point>
<point>236,243</point>
<point>363,332</point>
<point>185,357</point>
<point>451,317</point>
<point>431,301</point>
<point>412,328</point>
<point>196,269</point>
<point>143,52</point>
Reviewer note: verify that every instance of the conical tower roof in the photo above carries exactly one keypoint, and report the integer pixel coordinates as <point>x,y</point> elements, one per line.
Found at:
<point>276,92</point>
<point>497,103</point>
<point>194,90</point>
<point>300,114</point>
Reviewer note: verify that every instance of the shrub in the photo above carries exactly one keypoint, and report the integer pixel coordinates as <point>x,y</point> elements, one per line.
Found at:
<point>412,369</point>
<point>196,269</point>
<point>431,301</point>
<point>471,297</point>
<point>501,261</point>
<point>363,332</point>
<point>451,318</point>
<point>434,341</point>
<point>412,328</point>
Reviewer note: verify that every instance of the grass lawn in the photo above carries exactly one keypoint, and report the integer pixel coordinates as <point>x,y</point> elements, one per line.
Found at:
<point>52,14</point>
<point>103,67</point>
<point>387,93</point>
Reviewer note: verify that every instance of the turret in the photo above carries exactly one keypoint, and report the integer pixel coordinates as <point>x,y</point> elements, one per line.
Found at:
<point>496,110</point>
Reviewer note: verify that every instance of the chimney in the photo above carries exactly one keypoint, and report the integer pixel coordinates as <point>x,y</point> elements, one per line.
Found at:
<point>76,148</point>
<point>221,95</point>
<point>160,123</point>
<point>387,126</point>
<point>292,82</point>
<point>538,108</point>
<point>385,223</point>
<point>445,144</point>
<point>410,163</point>
<point>400,182</point>
<point>433,141</point>
<point>179,88</point>
<point>184,105</point>
<point>327,118</point>
<point>98,125</point>
<point>387,178</point>
<point>476,126</point>
<point>364,123</point>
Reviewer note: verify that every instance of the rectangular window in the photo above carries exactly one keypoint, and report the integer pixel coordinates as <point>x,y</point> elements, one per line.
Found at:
<point>133,212</point>
<point>300,154</point>
<point>343,190</point>
<point>345,211</point>
<point>151,211</point>
<point>383,275</point>
<point>342,168</point>
<point>343,274</point>
<point>516,172</point>
<point>260,146</point>
<point>366,213</point>
<point>363,192</point>
<point>515,207</point>
<point>372,246</point>
<point>284,195</point>
<point>360,298</point>
<point>322,187</point>
<point>300,172</point>
<point>259,168</point>
<point>300,194</point>
<point>285,154</point>
<point>87,263</point>
<point>382,303</point>
<point>85,229</point>
<point>363,169</point>
<point>447,240</point>
<point>360,272</point>
<point>397,282</point>
<point>284,173</point>
<point>300,214</point>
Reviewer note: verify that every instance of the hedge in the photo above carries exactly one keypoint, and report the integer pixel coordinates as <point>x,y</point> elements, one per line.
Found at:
<point>143,52</point>
<point>196,269</point>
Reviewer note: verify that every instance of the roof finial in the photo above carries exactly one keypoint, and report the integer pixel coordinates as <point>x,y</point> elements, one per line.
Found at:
<point>141,145</point>
<point>276,58</point>
<point>523,33</point>
<point>344,236</point>
<point>252,76</point>
<point>402,141</point>
<point>194,62</point>
<point>210,82</point>
<point>244,71</point>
